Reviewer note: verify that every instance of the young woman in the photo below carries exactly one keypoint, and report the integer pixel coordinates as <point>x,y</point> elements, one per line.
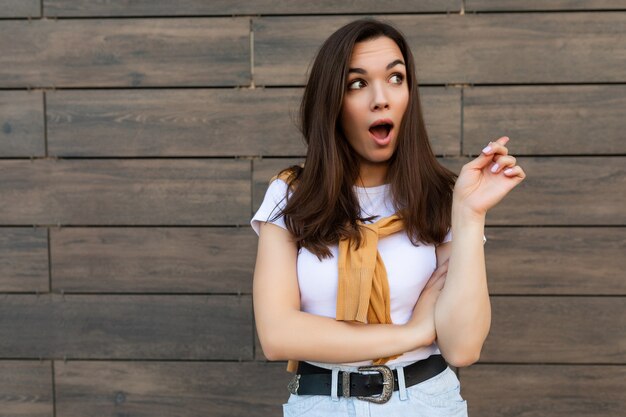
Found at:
<point>355,244</point>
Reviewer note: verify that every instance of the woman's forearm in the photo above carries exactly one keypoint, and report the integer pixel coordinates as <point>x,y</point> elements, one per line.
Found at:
<point>463,310</point>
<point>305,336</point>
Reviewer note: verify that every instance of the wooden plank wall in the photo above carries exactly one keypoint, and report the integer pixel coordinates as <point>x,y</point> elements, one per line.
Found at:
<point>136,141</point>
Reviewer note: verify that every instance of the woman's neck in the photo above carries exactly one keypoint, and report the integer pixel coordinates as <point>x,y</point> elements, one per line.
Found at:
<point>372,175</point>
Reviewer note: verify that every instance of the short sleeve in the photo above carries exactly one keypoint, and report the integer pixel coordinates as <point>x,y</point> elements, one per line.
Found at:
<point>273,203</point>
<point>448,237</point>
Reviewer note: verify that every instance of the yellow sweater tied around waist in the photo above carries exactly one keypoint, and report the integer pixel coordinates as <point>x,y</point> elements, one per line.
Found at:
<point>363,289</point>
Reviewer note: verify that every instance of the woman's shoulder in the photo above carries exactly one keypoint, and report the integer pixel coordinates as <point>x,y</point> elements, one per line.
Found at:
<point>288,176</point>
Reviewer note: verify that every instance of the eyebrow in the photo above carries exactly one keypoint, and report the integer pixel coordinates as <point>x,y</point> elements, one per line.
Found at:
<point>389,66</point>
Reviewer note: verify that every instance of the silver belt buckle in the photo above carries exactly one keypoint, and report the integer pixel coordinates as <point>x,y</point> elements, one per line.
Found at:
<point>387,375</point>
<point>294,384</point>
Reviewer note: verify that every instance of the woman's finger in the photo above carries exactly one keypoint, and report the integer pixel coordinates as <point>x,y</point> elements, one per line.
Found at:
<point>515,171</point>
<point>502,162</point>
<point>497,147</point>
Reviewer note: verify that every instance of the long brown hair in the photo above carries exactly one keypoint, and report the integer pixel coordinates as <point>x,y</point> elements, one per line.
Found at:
<point>323,207</point>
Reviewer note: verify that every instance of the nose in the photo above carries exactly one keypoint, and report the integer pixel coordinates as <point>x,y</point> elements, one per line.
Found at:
<point>379,99</point>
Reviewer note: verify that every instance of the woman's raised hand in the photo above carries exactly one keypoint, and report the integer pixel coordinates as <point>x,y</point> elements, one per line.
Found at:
<point>483,182</point>
<point>424,311</point>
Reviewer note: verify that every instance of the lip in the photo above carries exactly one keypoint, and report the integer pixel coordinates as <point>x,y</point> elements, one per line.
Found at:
<point>382,121</point>
<point>387,139</point>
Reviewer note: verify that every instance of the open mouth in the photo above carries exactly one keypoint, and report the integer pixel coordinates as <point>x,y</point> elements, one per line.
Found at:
<point>380,131</point>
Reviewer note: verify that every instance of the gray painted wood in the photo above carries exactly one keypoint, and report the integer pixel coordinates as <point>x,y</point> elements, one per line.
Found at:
<point>24,259</point>
<point>125,192</point>
<point>26,388</point>
<point>154,259</point>
<point>125,52</point>
<point>183,122</point>
<point>469,48</point>
<point>556,260</point>
<point>53,326</point>
<point>555,120</point>
<point>228,7</point>
<point>146,389</point>
<point>551,329</point>
<point>20,8</point>
<point>527,5</point>
<point>21,124</point>
<point>539,390</point>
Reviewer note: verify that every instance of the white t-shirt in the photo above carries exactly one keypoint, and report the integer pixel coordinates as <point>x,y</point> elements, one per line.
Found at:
<point>408,267</point>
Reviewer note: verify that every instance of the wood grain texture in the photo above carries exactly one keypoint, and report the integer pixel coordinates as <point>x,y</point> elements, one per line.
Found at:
<point>215,122</point>
<point>565,191</point>
<point>125,52</point>
<point>228,7</point>
<point>542,390</point>
<point>556,260</point>
<point>126,326</point>
<point>23,259</point>
<point>125,192</point>
<point>190,389</point>
<point>198,122</point>
<point>469,48</point>
<point>441,108</point>
<point>551,329</point>
<point>556,120</point>
<point>136,260</point>
<point>20,8</point>
<point>21,124</point>
<point>26,388</point>
<point>526,5</point>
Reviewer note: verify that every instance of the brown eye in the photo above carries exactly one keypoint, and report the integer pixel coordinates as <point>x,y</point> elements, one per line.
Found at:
<point>353,82</point>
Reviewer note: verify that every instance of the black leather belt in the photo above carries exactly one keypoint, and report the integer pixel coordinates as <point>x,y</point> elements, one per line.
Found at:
<point>314,380</point>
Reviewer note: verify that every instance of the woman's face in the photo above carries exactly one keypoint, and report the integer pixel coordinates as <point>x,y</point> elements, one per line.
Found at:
<point>376,89</point>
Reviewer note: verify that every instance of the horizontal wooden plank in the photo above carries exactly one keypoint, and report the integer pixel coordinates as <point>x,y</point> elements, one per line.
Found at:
<point>23,259</point>
<point>21,124</point>
<point>228,7</point>
<point>516,5</point>
<point>125,192</point>
<point>441,108</point>
<point>565,191</point>
<point>174,260</point>
<point>540,390</point>
<point>126,326</point>
<point>125,52</point>
<point>215,122</point>
<point>26,388</point>
<point>562,260</point>
<point>20,8</point>
<point>581,119</point>
<point>146,389</point>
<point>550,329</point>
<point>479,48</point>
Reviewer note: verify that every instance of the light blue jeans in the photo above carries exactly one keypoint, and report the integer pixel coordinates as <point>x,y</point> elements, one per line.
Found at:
<point>438,396</point>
